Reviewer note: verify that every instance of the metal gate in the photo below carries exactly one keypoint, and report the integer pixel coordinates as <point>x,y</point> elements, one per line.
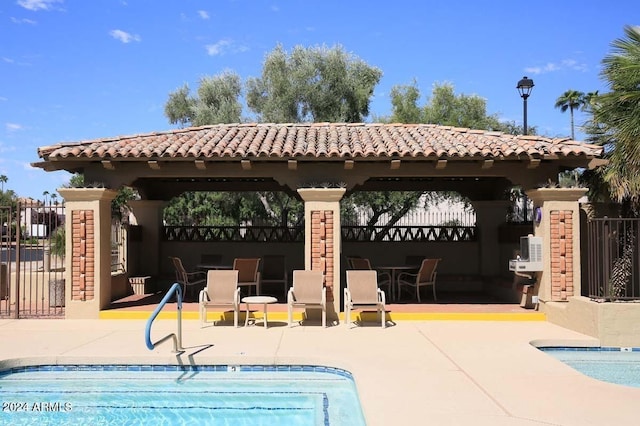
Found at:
<point>32,272</point>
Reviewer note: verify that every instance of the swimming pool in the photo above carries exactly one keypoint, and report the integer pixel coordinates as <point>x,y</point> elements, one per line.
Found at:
<point>614,365</point>
<point>175,395</point>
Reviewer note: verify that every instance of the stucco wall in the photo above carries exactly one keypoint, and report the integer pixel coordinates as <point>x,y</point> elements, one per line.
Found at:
<point>613,323</point>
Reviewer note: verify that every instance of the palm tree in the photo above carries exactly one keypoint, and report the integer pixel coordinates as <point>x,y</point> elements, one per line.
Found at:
<point>3,180</point>
<point>570,100</point>
<point>589,101</point>
<point>618,115</point>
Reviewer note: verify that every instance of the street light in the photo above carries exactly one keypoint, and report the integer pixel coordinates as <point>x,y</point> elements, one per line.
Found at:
<point>525,86</point>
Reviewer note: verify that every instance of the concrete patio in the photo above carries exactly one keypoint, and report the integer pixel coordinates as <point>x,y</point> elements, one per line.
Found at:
<point>416,372</point>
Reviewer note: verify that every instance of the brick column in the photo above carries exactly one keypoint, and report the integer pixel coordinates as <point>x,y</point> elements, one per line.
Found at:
<point>322,239</point>
<point>88,250</point>
<point>559,226</point>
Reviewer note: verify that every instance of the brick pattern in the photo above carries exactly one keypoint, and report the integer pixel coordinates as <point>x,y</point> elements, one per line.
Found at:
<point>83,255</point>
<point>562,285</point>
<point>322,247</point>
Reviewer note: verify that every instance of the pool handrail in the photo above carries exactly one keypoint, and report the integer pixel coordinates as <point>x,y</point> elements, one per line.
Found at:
<point>177,338</point>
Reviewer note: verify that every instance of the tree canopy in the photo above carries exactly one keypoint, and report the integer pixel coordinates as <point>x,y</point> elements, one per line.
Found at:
<point>217,101</point>
<point>445,107</point>
<point>315,84</point>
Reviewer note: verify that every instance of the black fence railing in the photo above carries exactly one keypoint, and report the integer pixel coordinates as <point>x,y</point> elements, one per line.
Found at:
<point>276,234</point>
<point>613,259</point>
<point>408,233</point>
<point>273,234</point>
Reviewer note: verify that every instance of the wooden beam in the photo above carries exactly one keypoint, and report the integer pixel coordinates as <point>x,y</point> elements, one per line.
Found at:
<point>292,165</point>
<point>534,163</point>
<point>597,162</point>
<point>395,164</point>
<point>201,165</point>
<point>153,165</point>
<point>487,164</point>
<point>441,164</point>
<point>349,164</point>
<point>246,164</point>
<point>108,165</point>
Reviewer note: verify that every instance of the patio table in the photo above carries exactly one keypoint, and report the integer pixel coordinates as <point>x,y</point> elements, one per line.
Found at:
<point>263,300</point>
<point>395,288</point>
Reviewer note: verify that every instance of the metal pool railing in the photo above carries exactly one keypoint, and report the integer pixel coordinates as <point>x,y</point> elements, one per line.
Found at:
<point>177,337</point>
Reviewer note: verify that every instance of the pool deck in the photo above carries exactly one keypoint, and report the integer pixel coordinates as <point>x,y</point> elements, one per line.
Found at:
<point>413,372</point>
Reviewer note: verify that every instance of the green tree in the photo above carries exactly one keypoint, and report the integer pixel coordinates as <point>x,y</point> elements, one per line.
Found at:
<point>616,117</point>
<point>3,180</point>
<point>217,101</point>
<point>404,102</point>
<point>446,108</point>
<point>312,84</point>
<point>571,100</point>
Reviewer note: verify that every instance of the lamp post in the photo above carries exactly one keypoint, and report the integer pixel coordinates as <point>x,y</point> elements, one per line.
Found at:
<point>525,86</point>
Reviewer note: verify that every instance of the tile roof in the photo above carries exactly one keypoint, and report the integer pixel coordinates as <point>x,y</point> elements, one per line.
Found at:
<point>317,140</point>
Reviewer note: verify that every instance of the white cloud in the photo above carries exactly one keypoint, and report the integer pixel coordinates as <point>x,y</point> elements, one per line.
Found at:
<point>124,36</point>
<point>2,98</point>
<point>23,21</point>
<point>275,8</point>
<point>13,127</point>
<point>203,14</point>
<point>225,46</point>
<point>8,60</point>
<point>218,48</point>
<point>38,4</point>
<point>565,64</point>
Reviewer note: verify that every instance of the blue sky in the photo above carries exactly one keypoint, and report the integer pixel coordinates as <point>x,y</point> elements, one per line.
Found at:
<point>84,69</point>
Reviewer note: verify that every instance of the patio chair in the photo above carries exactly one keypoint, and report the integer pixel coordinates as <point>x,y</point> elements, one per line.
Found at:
<point>274,271</point>
<point>248,273</point>
<point>189,280</point>
<point>362,291</point>
<point>361,263</point>
<point>307,291</point>
<point>425,277</point>
<point>222,291</point>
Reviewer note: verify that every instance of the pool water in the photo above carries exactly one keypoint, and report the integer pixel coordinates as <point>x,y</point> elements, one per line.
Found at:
<point>614,365</point>
<point>174,395</point>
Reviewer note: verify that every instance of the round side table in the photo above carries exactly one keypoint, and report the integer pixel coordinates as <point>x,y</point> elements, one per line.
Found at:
<point>262,300</point>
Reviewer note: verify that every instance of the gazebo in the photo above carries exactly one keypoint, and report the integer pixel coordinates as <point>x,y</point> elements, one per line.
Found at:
<point>319,163</point>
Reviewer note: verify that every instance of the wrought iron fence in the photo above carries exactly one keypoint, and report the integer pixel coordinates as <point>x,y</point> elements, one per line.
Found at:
<point>32,264</point>
<point>613,259</point>
<point>243,233</point>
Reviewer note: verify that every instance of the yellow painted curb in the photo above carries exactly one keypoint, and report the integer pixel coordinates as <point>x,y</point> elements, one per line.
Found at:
<point>400,316</point>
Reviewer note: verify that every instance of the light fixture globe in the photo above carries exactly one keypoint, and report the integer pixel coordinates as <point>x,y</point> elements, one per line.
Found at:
<point>525,86</point>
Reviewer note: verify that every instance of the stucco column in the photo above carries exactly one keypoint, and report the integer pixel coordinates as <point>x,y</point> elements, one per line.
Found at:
<point>148,214</point>
<point>557,221</point>
<point>322,239</point>
<point>88,251</point>
<point>489,216</point>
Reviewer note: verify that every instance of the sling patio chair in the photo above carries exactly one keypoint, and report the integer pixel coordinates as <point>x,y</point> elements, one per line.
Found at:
<point>248,273</point>
<point>425,277</point>
<point>189,280</point>
<point>362,292</point>
<point>307,291</point>
<point>221,291</point>
<point>362,263</point>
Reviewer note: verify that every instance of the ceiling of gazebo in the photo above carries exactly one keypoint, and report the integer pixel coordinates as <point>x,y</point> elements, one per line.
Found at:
<point>360,156</point>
